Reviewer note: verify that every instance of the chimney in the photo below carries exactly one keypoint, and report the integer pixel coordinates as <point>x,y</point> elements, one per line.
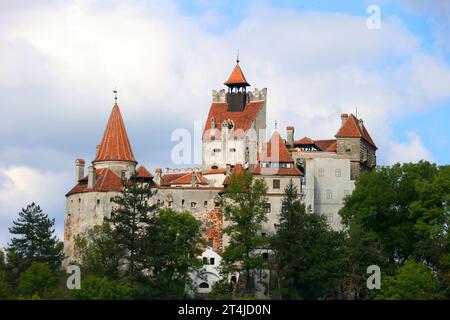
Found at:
<point>361,123</point>
<point>290,136</point>
<point>79,173</point>
<point>344,117</point>
<point>158,174</point>
<point>91,177</point>
<point>194,179</point>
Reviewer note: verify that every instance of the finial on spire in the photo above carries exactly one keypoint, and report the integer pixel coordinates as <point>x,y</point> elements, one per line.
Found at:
<point>356,113</point>
<point>276,124</point>
<point>237,59</point>
<point>115,94</point>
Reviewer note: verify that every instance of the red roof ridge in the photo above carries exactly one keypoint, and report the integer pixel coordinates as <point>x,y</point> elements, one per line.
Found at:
<point>115,145</point>
<point>304,140</point>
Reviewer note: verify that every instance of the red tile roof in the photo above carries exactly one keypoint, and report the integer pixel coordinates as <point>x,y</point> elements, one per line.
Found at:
<point>304,140</point>
<point>142,172</point>
<point>167,179</point>
<point>352,129</point>
<point>215,171</point>
<point>115,145</point>
<point>187,179</point>
<point>275,150</point>
<point>237,77</point>
<point>293,171</point>
<point>242,119</point>
<point>326,145</point>
<point>106,180</point>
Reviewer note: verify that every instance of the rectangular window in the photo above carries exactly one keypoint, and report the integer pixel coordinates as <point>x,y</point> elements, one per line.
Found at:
<point>212,261</point>
<point>267,207</point>
<point>321,172</point>
<point>276,184</point>
<point>216,150</point>
<point>205,260</point>
<point>193,204</point>
<point>329,194</point>
<point>232,149</point>
<point>205,203</point>
<point>337,172</point>
<point>265,255</point>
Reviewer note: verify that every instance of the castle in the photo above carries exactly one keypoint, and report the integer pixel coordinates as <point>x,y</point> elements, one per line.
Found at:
<point>233,141</point>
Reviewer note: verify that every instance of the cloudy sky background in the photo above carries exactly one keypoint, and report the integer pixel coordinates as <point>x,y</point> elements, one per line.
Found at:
<point>60,61</point>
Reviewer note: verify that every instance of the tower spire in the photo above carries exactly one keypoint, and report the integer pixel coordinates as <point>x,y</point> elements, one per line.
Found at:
<point>115,145</point>
<point>115,94</point>
<point>237,59</point>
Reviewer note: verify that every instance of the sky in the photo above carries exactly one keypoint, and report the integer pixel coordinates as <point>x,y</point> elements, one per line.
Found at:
<point>61,60</point>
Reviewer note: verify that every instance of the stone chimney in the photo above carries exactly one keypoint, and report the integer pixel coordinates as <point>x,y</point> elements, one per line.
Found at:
<point>290,136</point>
<point>158,174</point>
<point>194,179</point>
<point>92,177</point>
<point>361,123</point>
<point>79,173</point>
<point>344,117</point>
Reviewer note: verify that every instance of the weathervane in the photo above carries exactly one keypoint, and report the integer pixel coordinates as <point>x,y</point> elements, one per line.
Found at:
<point>237,59</point>
<point>115,94</point>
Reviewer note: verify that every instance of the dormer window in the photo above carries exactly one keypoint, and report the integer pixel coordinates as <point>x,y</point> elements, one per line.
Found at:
<point>213,123</point>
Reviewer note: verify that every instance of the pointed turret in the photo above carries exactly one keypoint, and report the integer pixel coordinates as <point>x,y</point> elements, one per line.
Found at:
<point>237,78</point>
<point>115,145</point>
<point>237,96</point>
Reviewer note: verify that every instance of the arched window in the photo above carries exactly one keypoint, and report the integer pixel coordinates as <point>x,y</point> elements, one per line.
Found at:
<point>204,285</point>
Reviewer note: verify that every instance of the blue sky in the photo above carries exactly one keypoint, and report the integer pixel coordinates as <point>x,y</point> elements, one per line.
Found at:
<point>60,61</point>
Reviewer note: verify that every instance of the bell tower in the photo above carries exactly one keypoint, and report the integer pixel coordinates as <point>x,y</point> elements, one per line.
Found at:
<point>236,96</point>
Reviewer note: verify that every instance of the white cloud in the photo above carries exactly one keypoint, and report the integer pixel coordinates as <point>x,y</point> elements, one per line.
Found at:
<point>411,151</point>
<point>20,186</point>
<point>315,65</point>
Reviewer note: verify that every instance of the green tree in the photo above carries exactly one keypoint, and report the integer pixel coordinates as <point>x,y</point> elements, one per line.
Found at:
<point>34,241</point>
<point>5,288</point>
<point>38,279</point>
<point>130,219</point>
<point>100,254</point>
<point>244,207</point>
<point>404,209</point>
<point>412,281</point>
<point>222,290</point>
<point>171,246</point>
<point>308,252</point>
<point>361,249</point>
<point>101,288</point>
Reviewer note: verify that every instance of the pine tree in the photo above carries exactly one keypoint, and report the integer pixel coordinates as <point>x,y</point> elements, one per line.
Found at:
<point>130,218</point>
<point>34,241</point>
<point>245,210</point>
<point>308,253</point>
